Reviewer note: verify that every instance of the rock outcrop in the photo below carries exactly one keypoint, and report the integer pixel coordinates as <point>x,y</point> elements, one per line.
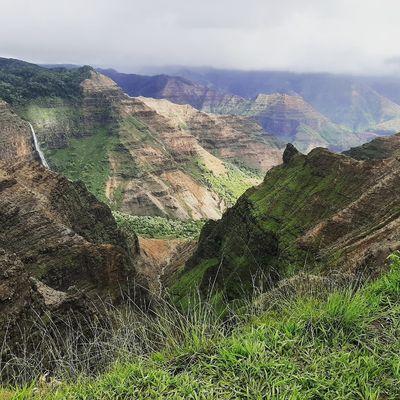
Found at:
<point>16,140</point>
<point>320,211</point>
<point>61,233</point>
<point>152,157</point>
<point>27,305</point>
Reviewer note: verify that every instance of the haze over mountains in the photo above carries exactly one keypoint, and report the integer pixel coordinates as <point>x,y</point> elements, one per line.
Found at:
<point>335,111</point>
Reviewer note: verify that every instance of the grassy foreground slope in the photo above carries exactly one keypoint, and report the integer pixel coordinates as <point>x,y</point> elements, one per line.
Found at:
<point>338,345</point>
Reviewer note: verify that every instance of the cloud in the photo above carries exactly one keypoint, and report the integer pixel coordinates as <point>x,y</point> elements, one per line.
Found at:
<point>303,35</point>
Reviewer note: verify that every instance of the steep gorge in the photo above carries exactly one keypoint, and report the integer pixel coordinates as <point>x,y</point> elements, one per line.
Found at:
<point>320,212</point>
<point>144,160</point>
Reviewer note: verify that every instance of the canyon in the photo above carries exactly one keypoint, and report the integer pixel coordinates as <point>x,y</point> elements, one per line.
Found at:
<point>153,157</point>
<point>309,110</point>
<point>320,212</point>
<point>149,158</point>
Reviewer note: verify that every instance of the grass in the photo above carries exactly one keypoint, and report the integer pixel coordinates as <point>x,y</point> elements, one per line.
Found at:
<point>343,345</point>
<point>86,159</point>
<point>158,227</point>
<point>262,229</point>
<point>230,185</point>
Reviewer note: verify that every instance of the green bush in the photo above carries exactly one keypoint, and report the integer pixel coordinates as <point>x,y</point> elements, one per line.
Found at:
<point>158,227</point>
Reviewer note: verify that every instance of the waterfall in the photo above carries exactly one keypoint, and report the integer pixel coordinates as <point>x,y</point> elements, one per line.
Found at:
<point>37,147</point>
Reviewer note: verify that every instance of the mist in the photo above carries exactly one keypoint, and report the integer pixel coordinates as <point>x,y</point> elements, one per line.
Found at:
<point>353,36</point>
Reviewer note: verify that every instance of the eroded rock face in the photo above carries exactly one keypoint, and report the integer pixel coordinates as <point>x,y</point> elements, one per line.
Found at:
<point>322,211</point>
<point>172,88</point>
<point>60,232</point>
<point>228,137</point>
<point>291,119</point>
<point>16,141</point>
<point>156,153</point>
<point>28,307</point>
<point>161,259</point>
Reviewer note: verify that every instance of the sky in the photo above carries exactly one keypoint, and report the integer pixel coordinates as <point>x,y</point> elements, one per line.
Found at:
<point>343,36</point>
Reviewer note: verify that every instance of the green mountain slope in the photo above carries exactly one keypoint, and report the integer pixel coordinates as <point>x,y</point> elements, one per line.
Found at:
<point>317,212</point>
<point>133,155</point>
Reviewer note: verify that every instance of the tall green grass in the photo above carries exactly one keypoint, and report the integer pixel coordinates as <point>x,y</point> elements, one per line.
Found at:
<point>343,344</point>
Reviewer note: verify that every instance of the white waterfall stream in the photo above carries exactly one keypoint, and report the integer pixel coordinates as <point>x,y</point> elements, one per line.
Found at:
<point>37,147</point>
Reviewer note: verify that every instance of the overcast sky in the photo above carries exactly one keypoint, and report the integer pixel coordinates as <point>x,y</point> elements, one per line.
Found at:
<point>360,36</point>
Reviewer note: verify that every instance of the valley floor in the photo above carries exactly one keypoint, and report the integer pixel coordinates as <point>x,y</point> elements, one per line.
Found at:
<point>338,345</point>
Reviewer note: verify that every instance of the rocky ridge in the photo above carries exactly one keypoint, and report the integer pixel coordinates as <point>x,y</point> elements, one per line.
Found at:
<point>316,212</point>
<point>147,163</point>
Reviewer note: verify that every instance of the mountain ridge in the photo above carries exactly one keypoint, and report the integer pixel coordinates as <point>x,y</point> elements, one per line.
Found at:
<point>316,212</point>
<point>142,162</point>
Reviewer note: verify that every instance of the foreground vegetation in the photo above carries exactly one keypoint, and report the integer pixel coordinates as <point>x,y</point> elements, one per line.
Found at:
<point>158,227</point>
<point>307,345</point>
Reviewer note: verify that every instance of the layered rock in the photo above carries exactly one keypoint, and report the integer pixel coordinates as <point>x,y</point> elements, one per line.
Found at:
<point>173,88</point>
<point>155,155</point>
<point>16,140</point>
<point>321,212</point>
<point>141,158</point>
<point>356,102</point>
<point>292,119</point>
<point>61,233</point>
<point>228,137</point>
<point>27,305</point>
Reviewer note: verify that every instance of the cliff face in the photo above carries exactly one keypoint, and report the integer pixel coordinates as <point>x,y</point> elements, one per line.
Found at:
<point>60,250</point>
<point>292,119</point>
<point>151,158</point>
<point>228,137</point>
<point>60,232</point>
<point>322,211</point>
<point>173,88</point>
<point>27,303</point>
<point>356,102</point>
<point>16,140</point>
<point>309,110</point>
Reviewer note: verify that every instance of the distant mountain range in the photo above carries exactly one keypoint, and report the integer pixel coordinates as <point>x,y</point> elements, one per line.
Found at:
<point>358,102</point>
<point>179,148</point>
<point>346,105</point>
<point>141,156</point>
